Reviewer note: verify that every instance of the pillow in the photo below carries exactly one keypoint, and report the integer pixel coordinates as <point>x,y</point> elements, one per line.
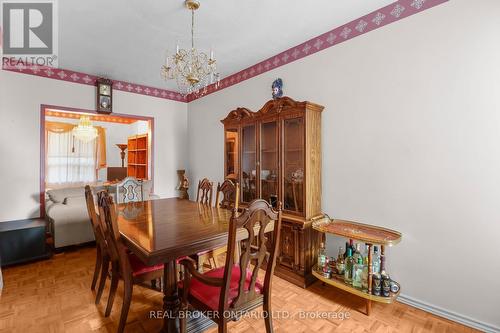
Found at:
<point>60,194</point>
<point>75,201</point>
<point>54,197</point>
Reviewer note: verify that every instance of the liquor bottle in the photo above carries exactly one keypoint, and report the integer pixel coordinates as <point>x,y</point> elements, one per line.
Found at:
<point>340,264</point>
<point>357,253</point>
<point>321,256</point>
<point>346,247</point>
<point>327,272</point>
<point>366,269</point>
<point>333,265</point>
<point>382,261</point>
<point>386,284</point>
<point>376,284</point>
<point>357,274</point>
<point>375,260</point>
<point>351,244</point>
<point>349,266</point>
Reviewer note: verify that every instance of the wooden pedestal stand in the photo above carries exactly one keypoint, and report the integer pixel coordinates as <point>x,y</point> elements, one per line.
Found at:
<point>370,235</point>
<point>122,147</point>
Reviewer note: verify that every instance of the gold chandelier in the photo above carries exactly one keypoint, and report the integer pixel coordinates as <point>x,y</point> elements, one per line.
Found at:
<point>85,132</point>
<point>192,69</point>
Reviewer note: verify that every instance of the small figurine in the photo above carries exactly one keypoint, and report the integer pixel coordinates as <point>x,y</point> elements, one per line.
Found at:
<point>277,87</point>
<point>183,184</point>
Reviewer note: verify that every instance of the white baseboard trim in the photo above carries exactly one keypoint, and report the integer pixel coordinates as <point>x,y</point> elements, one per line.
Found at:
<point>450,315</point>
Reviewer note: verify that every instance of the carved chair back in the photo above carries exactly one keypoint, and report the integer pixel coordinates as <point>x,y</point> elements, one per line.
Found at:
<point>129,190</point>
<point>230,193</point>
<point>259,213</point>
<point>109,223</point>
<point>94,219</point>
<point>205,192</point>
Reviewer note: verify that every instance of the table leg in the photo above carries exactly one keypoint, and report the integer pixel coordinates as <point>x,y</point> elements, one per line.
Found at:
<point>368,307</point>
<point>171,300</point>
<point>172,304</point>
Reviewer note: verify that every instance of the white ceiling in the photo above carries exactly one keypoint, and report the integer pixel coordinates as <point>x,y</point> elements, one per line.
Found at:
<point>127,39</point>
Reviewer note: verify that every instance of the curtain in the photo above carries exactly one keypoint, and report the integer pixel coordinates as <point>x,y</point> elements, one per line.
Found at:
<point>65,166</point>
<point>101,148</point>
<point>56,127</point>
<point>68,165</point>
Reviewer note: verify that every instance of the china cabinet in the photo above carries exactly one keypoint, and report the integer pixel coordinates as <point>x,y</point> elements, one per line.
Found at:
<point>275,154</point>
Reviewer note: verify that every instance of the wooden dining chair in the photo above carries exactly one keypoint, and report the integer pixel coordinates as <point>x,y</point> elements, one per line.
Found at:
<point>227,197</point>
<point>102,257</point>
<point>204,196</point>
<point>124,264</point>
<point>129,189</point>
<point>235,288</point>
<point>205,192</point>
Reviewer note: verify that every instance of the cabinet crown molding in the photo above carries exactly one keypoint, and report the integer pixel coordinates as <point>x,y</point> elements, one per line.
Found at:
<point>273,106</point>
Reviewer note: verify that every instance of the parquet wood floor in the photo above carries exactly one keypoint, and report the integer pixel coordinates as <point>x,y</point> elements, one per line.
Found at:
<point>54,296</point>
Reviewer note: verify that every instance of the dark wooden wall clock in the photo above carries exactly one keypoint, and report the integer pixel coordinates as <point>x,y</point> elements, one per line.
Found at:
<point>104,95</point>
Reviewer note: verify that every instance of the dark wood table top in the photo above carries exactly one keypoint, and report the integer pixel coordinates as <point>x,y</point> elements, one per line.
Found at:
<point>163,230</point>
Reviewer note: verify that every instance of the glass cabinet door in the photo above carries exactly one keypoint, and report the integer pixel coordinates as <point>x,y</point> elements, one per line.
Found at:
<point>248,163</point>
<point>269,162</point>
<point>232,162</point>
<point>293,168</point>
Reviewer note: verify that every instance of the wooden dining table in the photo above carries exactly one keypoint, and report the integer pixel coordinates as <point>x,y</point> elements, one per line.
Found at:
<point>163,230</point>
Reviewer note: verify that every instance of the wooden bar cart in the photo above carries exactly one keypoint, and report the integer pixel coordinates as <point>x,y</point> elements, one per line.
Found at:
<point>370,235</point>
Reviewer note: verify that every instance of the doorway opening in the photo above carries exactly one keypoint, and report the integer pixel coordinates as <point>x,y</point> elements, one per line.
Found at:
<point>80,147</point>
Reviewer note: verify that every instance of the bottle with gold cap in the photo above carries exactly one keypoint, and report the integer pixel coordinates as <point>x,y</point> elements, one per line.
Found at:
<point>357,274</point>
<point>339,265</point>
<point>349,266</point>
<point>321,256</point>
<point>364,277</point>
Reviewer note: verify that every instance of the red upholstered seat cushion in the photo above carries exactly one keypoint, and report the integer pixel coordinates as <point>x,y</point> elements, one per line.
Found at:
<point>210,295</point>
<point>139,268</point>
